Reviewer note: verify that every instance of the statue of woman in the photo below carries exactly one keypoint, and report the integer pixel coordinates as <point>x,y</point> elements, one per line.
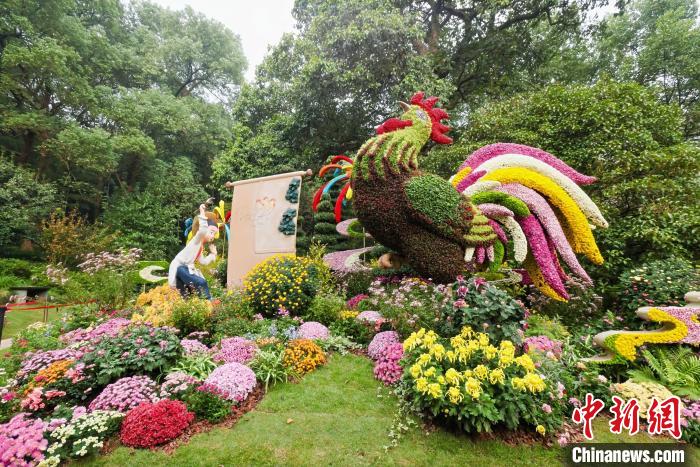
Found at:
<point>183,274</point>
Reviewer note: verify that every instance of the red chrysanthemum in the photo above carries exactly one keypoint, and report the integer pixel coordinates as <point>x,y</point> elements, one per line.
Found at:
<point>149,424</point>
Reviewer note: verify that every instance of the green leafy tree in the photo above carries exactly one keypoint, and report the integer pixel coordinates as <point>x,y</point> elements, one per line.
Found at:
<point>24,203</point>
<point>91,93</point>
<point>647,185</point>
<point>657,43</point>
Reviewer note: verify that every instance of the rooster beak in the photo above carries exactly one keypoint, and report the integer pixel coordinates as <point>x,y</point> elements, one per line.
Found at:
<point>405,107</point>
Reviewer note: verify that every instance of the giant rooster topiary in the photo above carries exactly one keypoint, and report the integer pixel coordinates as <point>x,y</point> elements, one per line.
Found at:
<point>507,201</point>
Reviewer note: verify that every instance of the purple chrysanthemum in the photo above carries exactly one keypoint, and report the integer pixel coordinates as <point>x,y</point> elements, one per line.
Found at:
<point>125,394</point>
<point>235,350</point>
<point>376,348</point>
<point>234,380</point>
<point>313,330</point>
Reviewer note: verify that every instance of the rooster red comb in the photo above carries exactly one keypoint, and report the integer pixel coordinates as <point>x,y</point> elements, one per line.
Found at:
<point>436,114</point>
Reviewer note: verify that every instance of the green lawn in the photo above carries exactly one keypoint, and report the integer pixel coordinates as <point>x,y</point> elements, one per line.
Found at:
<point>17,320</point>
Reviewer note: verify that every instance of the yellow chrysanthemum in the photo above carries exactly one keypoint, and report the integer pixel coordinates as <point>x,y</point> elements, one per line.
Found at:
<point>473,387</point>
<point>481,372</point>
<point>434,391</point>
<point>455,395</point>
<point>525,362</point>
<point>497,376</point>
<point>422,385</point>
<point>452,376</point>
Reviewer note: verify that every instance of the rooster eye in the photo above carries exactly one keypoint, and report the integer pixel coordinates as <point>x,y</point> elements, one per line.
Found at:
<point>422,115</point>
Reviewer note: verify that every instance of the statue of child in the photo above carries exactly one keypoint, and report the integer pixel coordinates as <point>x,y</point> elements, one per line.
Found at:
<point>183,275</point>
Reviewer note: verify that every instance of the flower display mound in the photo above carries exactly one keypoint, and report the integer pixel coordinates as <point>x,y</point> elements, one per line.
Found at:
<point>313,330</point>
<point>303,356</point>
<point>22,441</point>
<point>284,281</point>
<point>234,381</point>
<point>235,350</point>
<point>469,381</point>
<point>387,369</point>
<point>125,394</point>
<point>375,349</point>
<point>152,424</point>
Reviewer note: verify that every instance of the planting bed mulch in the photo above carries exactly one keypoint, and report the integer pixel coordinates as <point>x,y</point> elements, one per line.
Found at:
<point>201,426</point>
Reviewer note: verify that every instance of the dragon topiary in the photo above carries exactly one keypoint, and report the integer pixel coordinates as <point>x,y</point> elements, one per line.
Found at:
<point>506,201</point>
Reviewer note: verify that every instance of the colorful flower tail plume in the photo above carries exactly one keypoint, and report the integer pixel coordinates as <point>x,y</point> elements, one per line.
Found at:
<point>342,172</point>
<point>534,200</point>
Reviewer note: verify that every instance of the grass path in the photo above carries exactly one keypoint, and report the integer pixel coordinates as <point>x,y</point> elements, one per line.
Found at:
<point>333,417</point>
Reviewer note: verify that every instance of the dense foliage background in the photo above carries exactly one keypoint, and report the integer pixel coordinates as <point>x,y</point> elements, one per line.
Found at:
<point>130,114</point>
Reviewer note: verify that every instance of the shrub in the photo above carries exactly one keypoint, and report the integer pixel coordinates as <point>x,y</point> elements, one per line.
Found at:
<point>66,238</point>
<point>358,331</point>
<point>149,424</point>
<point>235,350</point>
<point>208,403</point>
<point>125,394</point>
<point>22,441</point>
<point>660,283</point>
<point>140,349</point>
<point>312,330</point>
<point>80,317</point>
<point>227,326</point>
<point>538,325</point>
<point>482,306</point>
<point>387,369</point>
<point>282,281</point>
<point>303,356</point>
<point>356,282</point>
<point>324,308</point>
<point>83,436</point>
<point>583,304</point>
<point>235,381</point>
<point>376,348</point>
<point>407,303</point>
<point>191,315</point>
<point>109,276</point>
<point>157,305</point>
<point>199,365</point>
<point>470,382</point>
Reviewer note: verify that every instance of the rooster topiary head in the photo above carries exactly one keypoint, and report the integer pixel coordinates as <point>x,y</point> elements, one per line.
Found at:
<point>422,115</point>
